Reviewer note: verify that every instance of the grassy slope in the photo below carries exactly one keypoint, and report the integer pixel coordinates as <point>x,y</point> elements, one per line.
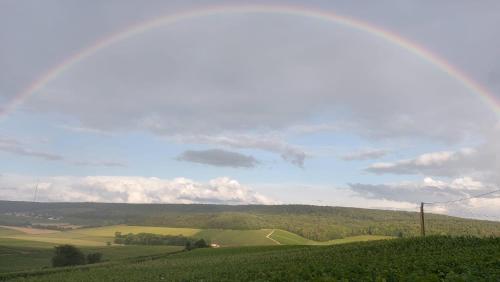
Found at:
<point>9,232</point>
<point>236,237</point>
<point>288,238</point>
<point>422,259</point>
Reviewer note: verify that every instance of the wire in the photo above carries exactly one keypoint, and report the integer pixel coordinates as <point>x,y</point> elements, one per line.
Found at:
<point>463,199</point>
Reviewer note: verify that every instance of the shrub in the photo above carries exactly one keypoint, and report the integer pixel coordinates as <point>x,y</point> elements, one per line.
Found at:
<point>66,255</point>
<point>200,244</point>
<point>94,258</point>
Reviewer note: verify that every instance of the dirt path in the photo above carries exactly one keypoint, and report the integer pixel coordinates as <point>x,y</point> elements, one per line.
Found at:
<point>268,236</point>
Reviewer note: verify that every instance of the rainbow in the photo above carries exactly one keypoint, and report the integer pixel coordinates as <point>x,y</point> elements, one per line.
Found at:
<point>488,98</point>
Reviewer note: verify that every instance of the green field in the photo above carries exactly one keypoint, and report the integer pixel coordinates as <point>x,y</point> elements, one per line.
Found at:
<point>236,237</point>
<point>99,236</point>
<point>109,231</point>
<point>17,255</point>
<point>95,237</point>
<point>20,251</point>
<point>288,238</point>
<point>418,259</point>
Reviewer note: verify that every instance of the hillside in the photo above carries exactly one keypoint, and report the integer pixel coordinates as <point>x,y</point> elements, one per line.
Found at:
<point>312,222</point>
<point>417,259</point>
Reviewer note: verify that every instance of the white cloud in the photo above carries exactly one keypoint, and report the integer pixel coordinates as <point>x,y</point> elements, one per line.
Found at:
<point>129,189</point>
<point>480,162</point>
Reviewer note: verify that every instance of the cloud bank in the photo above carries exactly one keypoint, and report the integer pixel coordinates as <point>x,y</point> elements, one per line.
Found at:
<point>125,189</point>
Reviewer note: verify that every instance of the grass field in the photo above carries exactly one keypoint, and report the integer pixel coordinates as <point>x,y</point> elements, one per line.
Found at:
<point>21,251</point>
<point>99,236</point>
<point>418,259</point>
<point>288,238</point>
<point>93,236</point>
<point>236,237</point>
<point>17,255</point>
<point>9,232</point>
<point>109,231</point>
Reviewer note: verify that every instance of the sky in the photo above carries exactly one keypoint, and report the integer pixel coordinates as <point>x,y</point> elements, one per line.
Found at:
<point>251,106</point>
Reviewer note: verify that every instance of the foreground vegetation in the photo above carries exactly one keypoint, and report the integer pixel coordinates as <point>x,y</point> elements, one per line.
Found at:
<point>311,222</point>
<point>419,259</point>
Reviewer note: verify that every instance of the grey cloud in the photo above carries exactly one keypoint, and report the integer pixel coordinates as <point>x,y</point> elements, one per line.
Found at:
<point>100,163</point>
<point>288,152</point>
<point>365,155</point>
<point>217,157</point>
<point>16,147</point>
<point>435,191</point>
<point>209,77</point>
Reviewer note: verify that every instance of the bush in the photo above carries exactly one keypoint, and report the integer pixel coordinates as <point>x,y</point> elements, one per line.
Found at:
<point>189,246</point>
<point>66,255</point>
<point>94,258</point>
<point>200,244</point>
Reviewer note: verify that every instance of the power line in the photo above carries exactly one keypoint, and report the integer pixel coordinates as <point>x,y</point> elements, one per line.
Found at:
<point>463,199</point>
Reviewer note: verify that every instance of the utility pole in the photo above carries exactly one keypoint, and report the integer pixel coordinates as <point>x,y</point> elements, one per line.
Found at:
<point>422,219</point>
<point>36,193</point>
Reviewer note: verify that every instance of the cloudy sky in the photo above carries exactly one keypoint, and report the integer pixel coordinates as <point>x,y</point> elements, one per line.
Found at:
<point>251,107</point>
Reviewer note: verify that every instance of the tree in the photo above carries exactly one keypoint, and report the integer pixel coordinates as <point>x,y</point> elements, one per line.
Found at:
<point>189,246</point>
<point>200,244</point>
<point>66,255</point>
<point>94,258</point>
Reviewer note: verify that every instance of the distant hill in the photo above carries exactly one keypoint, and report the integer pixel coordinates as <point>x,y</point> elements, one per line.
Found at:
<point>312,222</point>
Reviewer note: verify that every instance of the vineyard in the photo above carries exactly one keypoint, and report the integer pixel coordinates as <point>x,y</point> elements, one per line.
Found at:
<point>435,258</point>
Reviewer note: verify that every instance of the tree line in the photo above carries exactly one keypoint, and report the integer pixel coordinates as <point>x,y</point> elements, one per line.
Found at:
<point>158,239</point>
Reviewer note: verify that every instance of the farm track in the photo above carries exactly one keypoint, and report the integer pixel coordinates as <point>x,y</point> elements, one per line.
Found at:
<point>268,236</point>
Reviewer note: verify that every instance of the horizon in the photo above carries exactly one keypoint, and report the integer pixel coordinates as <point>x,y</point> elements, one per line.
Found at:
<point>328,104</point>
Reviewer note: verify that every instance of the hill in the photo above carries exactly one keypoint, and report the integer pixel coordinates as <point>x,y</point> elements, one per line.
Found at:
<point>436,258</point>
<point>312,222</point>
